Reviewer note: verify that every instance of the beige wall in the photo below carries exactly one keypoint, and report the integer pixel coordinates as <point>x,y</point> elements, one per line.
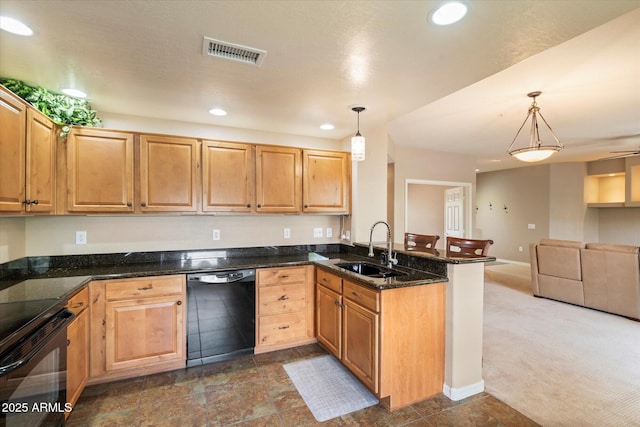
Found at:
<point>425,210</point>
<point>525,193</point>
<point>12,239</point>
<point>370,187</point>
<point>552,198</point>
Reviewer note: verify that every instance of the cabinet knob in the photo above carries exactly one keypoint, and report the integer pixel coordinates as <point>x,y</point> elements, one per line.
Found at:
<point>35,202</point>
<point>143,204</point>
<point>306,206</point>
<point>259,205</point>
<point>179,302</point>
<point>129,204</point>
<point>26,202</point>
<point>68,342</point>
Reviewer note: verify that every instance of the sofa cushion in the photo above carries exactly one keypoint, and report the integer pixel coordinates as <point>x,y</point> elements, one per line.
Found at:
<point>562,243</point>
<point>613,248</point>
<point>561,289</point>
<point>612,280</point>
<point>559,261</point>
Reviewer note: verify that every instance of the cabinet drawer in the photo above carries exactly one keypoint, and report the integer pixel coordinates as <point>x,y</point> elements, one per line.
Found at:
<point>279,276</point>
<point>359,294</point>
<point>79,301</point>
<point>329,280</point>
<point>281,328</point>
<point>281,299</point>
<point>143,288</point>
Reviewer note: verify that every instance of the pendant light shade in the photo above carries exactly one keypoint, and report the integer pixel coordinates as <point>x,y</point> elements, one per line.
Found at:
<point>357,141</point>
<point>535,151</point>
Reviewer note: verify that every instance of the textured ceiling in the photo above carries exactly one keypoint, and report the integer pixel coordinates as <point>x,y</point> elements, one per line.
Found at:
<point>460,88</point>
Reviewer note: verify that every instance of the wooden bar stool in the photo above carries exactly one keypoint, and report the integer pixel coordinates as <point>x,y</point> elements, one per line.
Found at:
<point>420,242</point>
<point>468,246</point>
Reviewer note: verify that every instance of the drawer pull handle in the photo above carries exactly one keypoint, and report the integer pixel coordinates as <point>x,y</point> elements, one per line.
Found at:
<point>146,288</point>
<point>78,305</point>
<point>283,327</point>
<point>97,298</point>
<point>355,294</point>
<point>324,279</point>
<point>283,298</point>
<point>284,276</point>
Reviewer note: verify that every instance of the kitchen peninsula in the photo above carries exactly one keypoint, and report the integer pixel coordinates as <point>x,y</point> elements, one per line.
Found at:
<point>463,278</point>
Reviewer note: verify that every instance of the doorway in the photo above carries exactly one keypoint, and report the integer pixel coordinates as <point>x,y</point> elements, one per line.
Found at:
<point>425,207</point>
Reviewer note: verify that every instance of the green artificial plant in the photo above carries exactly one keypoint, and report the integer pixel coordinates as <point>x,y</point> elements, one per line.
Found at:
<point>63,110</point>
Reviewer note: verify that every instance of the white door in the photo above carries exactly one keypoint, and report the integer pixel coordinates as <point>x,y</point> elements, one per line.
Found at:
<point>454,212</point>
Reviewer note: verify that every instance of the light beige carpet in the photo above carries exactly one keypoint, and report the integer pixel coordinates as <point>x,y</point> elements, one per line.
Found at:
<point>556,363</point>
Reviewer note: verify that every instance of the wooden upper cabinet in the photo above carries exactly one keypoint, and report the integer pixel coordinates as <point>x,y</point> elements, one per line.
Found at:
<point>27,157</point>
<point>168,174</point>
<point>278,179</point>
<point>228,177</point>
<point>13,113</point>
<point>99,171</point>
<point>326,182</point>
<point>41,163</point>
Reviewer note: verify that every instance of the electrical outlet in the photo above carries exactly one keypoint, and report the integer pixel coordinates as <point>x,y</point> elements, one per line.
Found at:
<point>520,249</point>
<point>531,226</point>
<point>287,233</point>
<point>216,234</point>
<point>329,232</point>
<point>317,232</point>
<point>81,237</point>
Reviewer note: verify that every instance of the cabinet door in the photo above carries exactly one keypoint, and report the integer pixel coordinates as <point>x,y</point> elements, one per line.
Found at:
<point>99,171</point>
<point>329,319</point>
<point>326,182</point>
<point>228,177</point>
<point>168,174</point>
<point>77,356</point>
<point>278,179</point>
<point>144,331</point>
<point>360,341</point>
<point>12,151</point>
<point>41,163</point>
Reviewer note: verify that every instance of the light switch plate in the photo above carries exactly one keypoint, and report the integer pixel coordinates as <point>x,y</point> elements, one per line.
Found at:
<point>216,234</point>
<point>329,232</point>
<point>287,233</point>
<point>317,232</point>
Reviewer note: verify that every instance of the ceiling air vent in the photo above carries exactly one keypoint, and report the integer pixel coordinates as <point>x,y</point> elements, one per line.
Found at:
<point>233,52</point>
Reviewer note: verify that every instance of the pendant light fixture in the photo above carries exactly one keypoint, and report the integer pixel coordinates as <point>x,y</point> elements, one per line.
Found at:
<point>357,141</point>
<point>536,150</point>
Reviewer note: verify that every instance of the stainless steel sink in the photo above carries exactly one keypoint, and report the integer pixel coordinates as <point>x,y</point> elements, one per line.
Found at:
<point>370,270</point>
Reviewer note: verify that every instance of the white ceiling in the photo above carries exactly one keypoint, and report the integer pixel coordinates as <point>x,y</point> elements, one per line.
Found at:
<point>460,88</point>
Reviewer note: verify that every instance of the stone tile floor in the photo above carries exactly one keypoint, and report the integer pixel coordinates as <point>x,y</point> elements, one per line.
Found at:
<point>256,391</point>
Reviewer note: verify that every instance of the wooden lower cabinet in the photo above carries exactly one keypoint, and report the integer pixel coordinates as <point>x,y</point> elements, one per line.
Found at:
<point>391,340</point>
<point>360,340</point>
<point>138,326</point>
<point>284,308</point>
<point>77,347</point>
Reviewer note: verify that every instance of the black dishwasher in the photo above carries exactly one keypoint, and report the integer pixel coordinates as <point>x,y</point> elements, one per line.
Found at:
<point>221,315</point>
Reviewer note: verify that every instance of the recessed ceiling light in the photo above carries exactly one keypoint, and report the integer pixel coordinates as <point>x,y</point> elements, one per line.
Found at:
<point>449,13</point>
<point>74,93</point>
<point>217,112</point>
<point>14,26</point>
<point>327,126</point>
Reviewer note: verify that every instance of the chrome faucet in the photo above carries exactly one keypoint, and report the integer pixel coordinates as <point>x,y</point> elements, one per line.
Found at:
<point>390,259</point>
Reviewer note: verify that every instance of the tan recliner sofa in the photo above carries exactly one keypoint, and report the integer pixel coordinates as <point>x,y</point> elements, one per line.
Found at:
<point>596,275</point>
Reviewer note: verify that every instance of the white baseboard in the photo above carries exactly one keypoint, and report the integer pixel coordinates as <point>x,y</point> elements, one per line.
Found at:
<point>508,261</point>
<point>456,394</point>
